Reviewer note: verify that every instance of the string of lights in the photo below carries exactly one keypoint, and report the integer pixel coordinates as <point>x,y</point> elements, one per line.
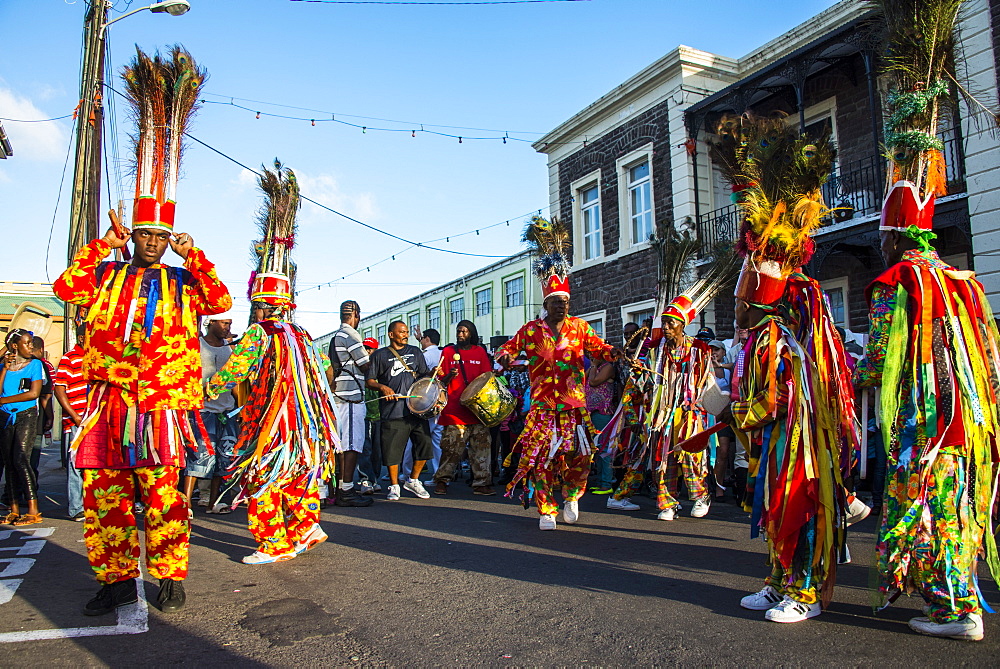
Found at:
<point>365,128</point>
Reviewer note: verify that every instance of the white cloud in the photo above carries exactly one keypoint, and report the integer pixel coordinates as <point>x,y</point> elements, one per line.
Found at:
<point>32,141</point>
<point>324,188</point>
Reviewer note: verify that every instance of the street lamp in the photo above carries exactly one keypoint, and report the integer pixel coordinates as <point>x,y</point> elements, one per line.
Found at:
<point>172,7</point>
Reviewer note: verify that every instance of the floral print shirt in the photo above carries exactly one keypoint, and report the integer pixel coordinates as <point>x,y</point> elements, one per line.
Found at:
<point>555,363</point>
<point>142,330</point>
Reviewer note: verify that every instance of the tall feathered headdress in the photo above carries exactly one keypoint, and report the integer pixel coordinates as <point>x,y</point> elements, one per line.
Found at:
<point>920,67</point>
<point>675,252</point>
<point>163,96</point>
<point>274,280</point>
<point>549,241</point>
<point>776,177</point>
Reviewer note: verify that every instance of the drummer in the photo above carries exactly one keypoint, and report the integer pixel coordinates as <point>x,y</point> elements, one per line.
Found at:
<point>392,370</point>
<point>460,364</point>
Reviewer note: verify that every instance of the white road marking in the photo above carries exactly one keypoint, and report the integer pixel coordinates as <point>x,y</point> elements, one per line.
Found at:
<point>132,619</point>
<point>8,588</point>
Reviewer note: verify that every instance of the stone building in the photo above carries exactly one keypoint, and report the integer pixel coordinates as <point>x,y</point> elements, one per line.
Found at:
<point>635,161</point>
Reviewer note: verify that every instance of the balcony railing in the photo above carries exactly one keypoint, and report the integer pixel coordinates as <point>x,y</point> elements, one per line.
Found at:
<point>855,189</point>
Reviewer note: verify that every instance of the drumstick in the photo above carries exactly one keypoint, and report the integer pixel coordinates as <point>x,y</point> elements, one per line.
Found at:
<point>120,231</point>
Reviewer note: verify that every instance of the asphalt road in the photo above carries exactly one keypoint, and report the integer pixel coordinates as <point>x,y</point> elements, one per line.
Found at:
<point>470,581</point>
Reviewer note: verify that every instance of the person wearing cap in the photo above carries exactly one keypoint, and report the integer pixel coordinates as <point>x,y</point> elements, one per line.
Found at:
<point>933,348</point>
<point>214,456</point>
<point>350,362</point>
<point>143,365</point>
<point>557,442</point>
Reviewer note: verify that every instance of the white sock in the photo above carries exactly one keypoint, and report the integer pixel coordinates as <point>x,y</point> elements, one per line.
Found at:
<point>414,480</point>
<point>346,486</point>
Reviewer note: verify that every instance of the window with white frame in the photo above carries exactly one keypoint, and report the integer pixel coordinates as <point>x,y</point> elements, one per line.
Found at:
<point>637,312</point>
<point>598,325</point>
<point>414,321</point>
<point>457,308</point>
<point>836,296</point>
<point>484,301</point>
<point>638,317</point>
<point>380,334</point>
<point>434,317</point>
<point>590,218</point>
<point>640,188</point>
<point>513,292</point>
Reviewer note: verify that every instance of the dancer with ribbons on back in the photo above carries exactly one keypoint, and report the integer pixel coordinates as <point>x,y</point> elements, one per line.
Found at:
<point>933,348</point>
<point>794,489</point>
<point>558,437</point>
<point>289,425</point>
<point>141,358</point>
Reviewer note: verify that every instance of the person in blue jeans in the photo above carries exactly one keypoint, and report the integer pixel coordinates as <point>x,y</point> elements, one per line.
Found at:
<point>21,380</point>
<point>600,402</point>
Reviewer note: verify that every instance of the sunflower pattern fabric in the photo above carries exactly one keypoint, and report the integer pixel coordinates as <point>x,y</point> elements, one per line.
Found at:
<point>142,357</point>
<point>279,517</point>
<point>142,330</point>
<point>935,351</point>
<point>109,530</point>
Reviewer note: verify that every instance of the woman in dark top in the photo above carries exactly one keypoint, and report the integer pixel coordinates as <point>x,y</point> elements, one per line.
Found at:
<point>21,380</point>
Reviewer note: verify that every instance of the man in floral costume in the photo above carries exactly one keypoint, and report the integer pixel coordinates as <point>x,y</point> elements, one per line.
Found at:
<point>933,349</point>
<point>558,436</point>
<point>143,365</point>
<point>142,359</point>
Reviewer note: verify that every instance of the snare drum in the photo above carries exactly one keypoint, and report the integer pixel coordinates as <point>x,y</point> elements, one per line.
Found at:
<point>488,399</point>
<point>427,398</point>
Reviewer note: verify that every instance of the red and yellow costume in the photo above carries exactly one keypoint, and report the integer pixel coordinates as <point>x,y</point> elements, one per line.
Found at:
<point>144,370</point>
<point>557,440</point>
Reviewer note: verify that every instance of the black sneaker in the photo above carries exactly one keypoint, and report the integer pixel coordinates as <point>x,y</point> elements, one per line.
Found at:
<point>78,518</point>
<point>352,498</point>
<point>171,597</point>
<point>111,596</point>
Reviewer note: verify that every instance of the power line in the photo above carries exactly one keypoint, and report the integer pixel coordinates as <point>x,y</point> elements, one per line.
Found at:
<point>36,120</point>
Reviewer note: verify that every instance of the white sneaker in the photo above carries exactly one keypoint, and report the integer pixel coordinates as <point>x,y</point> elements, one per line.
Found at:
<point>417,488</point>
<point>701,506</point>
<point>313,538</point>
<point>547,522</point>
<point>393,494</point>
<point>762,600</point>
<point>790,611</point>
<point>668,514</point>
<point>969,628</point>
<point>365,488</point>
<point>264,558</point>
<point>857,511</point>
<point>845,556</point>
<point>571,512</point>
<point>621,504</point>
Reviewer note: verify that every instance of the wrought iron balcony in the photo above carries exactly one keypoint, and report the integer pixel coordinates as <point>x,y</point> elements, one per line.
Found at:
<point>855,189</point>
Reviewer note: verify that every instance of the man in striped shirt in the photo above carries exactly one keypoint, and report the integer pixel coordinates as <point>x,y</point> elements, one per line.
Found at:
<point>70,389</point>
<point>349,360</point>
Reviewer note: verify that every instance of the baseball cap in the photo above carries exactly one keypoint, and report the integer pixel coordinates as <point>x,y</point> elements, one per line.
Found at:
<point>370,342</point>
<point>705,334</point>
<point>715,343</point>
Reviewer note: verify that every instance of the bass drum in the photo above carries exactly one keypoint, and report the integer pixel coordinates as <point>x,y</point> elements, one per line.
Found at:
<point>489,399</point>
<point>427,398</point>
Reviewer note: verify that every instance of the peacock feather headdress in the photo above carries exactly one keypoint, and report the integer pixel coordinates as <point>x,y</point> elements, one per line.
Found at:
<point>676,250</point>
<point>163,95</point>
<point>776,176</point>
<point>274,280</point>
<point>550,243</point>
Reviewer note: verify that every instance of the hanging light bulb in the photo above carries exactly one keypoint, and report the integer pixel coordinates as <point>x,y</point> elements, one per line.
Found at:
<point>258,114</point>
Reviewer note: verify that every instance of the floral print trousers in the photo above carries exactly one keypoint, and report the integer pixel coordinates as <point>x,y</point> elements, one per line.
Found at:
<point>109,529</point>
<point>280,516</point>
<point>573,468</point>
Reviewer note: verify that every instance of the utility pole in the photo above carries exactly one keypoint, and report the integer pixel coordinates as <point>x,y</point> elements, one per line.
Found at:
<point>85,204</point>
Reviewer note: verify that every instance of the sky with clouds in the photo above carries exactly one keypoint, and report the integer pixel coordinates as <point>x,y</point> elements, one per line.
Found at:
<point>521,69</point>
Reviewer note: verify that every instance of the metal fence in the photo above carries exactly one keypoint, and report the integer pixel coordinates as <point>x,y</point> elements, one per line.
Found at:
<point>855,189</point>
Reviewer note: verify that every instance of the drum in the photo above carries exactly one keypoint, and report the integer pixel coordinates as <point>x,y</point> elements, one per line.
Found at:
<point>488,399</point>
<point>427,398</point>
